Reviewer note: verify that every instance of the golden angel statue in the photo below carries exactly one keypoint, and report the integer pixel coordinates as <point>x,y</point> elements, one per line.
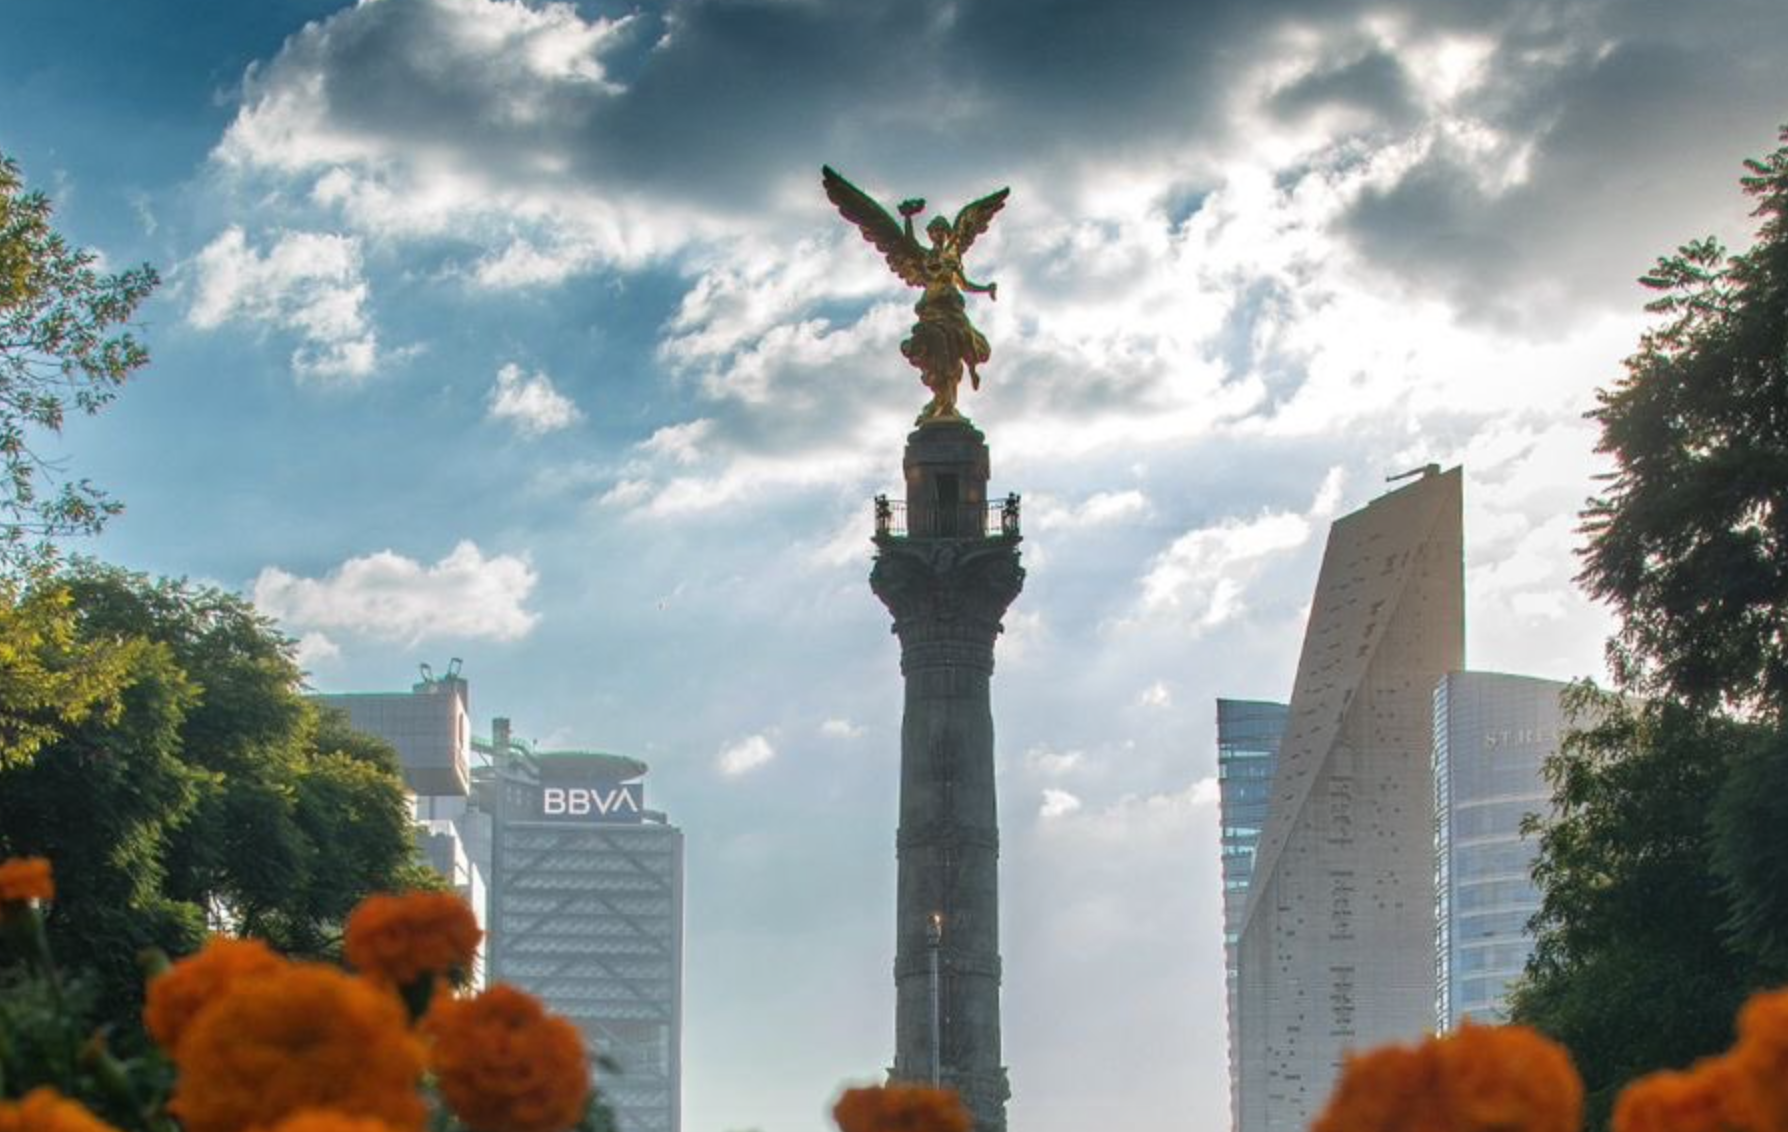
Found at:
<point>943,341</point>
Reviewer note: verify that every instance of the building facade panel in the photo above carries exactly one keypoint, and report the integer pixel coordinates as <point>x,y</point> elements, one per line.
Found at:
<point>1492,736</point>
<point>430,726</point>
<point>1337,944</point>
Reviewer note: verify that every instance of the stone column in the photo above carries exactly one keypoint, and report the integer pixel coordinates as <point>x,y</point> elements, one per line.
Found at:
<point>947,577</point>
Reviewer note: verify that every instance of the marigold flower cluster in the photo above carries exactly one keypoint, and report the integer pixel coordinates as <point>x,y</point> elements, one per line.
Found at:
<point>1704,1099</point>
<point>45,1110</point>
<point>304,1036</point>
<point>328,1120</point>
<point>1475,1079</point>
<point>901,1108</point>
<point>1760,1060</point>
<point>1744,1090</point>
<point>178,995</point>
<point>24,879</point>
<point>407,937</point>
<point>506,1065</point>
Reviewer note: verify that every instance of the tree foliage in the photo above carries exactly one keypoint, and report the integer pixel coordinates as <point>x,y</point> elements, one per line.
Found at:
<point>1633,968</point>
<point>51,678</point>
<point>1664,866</point>
<point>63,347</point>
<point>1689,541</point>
<point>213,796</point>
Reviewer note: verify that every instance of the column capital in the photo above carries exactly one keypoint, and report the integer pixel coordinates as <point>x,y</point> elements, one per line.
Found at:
<point>955,588</point>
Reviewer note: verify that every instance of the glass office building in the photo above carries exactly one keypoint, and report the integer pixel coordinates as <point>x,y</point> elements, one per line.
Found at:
<point>1492,733</point>
<point>1248,734</point>
<point>586,912</point>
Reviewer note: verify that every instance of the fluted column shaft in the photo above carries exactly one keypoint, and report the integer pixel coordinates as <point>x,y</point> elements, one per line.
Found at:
<point>947,597</point>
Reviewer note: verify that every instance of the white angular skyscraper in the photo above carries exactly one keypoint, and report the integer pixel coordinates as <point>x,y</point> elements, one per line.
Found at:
<point>1337,943</point>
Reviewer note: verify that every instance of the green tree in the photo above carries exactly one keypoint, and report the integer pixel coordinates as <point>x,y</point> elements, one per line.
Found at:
<point>215,797</point>
<point>1689,541</point>
<point>1664,866</point>
<point>1750,853</point>
<point>61,348</point>
<point>1633,967</point>
<point>50,678</point>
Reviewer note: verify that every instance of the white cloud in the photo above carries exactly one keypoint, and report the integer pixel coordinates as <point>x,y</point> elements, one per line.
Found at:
<point>680,443</point>
<point>745,756</point>
<point>1026,635</point>
<point>1205,571</point>
<point>841,729</point>
<point>476,131</point>
<point>389,597</point>
<point>530,404</point>
<point>627,493</point>
<point>1057,803</point>
<point>1204,574</point>
<point>1053,763</point>
<point>522,263</point>
<point>1156,695</point>
<point>1044,513</point>
<point>308,283</point>
<point>316,648</point>
<point>1144,819</point>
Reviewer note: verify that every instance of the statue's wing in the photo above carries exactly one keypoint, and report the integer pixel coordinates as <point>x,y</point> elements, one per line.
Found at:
<point>976,216</point>
<point>903,253</point>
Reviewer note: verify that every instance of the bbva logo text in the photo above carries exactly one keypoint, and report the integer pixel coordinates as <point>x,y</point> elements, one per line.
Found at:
<point>579,801</point>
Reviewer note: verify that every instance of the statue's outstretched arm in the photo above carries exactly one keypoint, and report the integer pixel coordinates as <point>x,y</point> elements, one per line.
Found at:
<point>991,290</point>
<point>908,209</point>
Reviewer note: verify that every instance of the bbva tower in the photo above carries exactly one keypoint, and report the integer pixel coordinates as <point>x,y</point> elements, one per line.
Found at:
<point>1336,950</point>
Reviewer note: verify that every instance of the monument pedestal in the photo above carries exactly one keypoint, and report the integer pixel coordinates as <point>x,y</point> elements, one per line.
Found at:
<point>947,567</point>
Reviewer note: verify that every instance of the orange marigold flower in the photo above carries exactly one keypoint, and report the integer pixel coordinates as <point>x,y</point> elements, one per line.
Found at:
<point>303,1036</point>
<point>506,1065</point>
<point>328,1120</point>
<point>901,1108</point>
<point>1701,1100</point>
<point>1495,1078</point>
<point>177,995</point>
<point>26,878</point>
<point>1759,1060</point>
<point>46,1110</point>
<point>403,938</point>
<point>1475,1079</point>
<point>1389,1089</point>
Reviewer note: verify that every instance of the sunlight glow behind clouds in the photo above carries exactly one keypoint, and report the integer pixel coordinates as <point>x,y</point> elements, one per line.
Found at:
<point>1204,573</point>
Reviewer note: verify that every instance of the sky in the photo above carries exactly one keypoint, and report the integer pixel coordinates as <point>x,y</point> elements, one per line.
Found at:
<point>523,333</point>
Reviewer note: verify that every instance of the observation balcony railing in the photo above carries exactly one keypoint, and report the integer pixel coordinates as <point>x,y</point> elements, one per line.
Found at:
<point>995,519</point>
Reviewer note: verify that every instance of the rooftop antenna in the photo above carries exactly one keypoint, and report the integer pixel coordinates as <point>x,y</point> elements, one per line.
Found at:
<point>1424,471</point>
<point>428,674</point>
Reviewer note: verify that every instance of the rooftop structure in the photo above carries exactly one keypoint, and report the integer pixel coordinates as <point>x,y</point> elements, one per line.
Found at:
<point>430,725</point>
